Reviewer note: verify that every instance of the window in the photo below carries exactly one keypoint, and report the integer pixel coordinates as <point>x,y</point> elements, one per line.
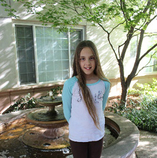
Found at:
<point>25,51</point>
<point>148,42</point>
<point>47,56</point>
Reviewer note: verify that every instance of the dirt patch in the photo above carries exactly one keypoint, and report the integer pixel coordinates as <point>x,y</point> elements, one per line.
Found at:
<point>132,101</point>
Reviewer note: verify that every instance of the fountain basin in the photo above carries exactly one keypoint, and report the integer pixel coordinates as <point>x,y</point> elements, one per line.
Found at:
<point>123,147</point>
<point>43,118</point>
<point>126,143</point>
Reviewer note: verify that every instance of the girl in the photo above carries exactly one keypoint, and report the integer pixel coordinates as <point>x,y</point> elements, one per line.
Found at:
<point>84,99</point>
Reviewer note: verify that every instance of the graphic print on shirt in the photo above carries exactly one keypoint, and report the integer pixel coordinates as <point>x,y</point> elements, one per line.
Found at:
<point>97,97</point>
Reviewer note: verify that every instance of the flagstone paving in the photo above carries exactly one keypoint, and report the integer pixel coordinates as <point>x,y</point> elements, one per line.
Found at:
<point>147,147</point>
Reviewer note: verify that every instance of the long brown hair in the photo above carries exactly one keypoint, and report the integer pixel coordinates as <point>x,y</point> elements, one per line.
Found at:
<point>77,71</point>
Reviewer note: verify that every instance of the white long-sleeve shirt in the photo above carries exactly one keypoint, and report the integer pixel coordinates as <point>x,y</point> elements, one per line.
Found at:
<point>81,125</point>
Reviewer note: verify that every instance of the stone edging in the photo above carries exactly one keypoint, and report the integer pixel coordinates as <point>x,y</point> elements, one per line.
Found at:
<point>124,146</point>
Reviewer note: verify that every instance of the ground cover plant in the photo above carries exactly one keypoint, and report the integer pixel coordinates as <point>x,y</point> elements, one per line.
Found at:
<point>22,103</point>
<point>141,106</point>
<point>28,102</point>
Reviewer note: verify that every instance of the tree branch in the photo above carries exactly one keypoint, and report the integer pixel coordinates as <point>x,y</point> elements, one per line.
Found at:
<point>123,8</point>
<point>116,26</point>
<point>129,36</point>
<point>108,38</point>
<point>139,45</point>
<point>136,64</point>
<point>150,49</point>
<point>146,7</point>
<point>147,64</point>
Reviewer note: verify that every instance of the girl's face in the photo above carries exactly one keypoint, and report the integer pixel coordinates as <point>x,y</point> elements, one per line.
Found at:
<point>87,61</point>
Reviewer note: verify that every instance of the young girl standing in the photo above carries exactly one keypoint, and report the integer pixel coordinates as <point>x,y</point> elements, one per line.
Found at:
<point>84,99</point>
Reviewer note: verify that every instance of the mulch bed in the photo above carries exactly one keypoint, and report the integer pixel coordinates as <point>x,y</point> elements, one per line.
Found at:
<point>130,98</point>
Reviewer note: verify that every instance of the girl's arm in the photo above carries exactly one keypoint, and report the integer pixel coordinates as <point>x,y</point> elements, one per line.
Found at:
<point>66,99</point>
<point>105,97</point>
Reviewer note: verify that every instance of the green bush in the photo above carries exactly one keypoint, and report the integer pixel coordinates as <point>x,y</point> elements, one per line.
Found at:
<point>134,92</point>
<point>145,89</point>
<point>145,117</point>
<point>144,113</point>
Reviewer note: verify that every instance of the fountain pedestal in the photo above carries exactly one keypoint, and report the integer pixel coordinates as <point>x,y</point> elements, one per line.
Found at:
<point>54,133</point>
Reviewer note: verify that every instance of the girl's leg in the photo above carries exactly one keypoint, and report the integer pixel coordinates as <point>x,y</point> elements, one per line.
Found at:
<point>95,149</point>
<point>79,149</point>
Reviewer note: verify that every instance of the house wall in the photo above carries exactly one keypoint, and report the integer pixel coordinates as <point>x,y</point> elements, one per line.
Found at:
<point>10,89</point>
<point>8,72</point>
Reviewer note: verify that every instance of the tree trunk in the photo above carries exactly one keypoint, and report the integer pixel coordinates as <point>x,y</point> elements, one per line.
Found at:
<point>125,83</point>
<point>124,94</point>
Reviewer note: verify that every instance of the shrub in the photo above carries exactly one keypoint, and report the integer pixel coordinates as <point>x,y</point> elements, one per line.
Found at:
<point>144,113</point>
<point>145,89</point>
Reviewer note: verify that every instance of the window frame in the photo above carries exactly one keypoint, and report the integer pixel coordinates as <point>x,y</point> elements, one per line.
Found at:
<point>34,25</point>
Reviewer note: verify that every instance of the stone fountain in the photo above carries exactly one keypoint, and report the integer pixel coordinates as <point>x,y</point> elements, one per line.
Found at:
<point>13,126</point>
<point>38,133</point>
<point>50,131</point>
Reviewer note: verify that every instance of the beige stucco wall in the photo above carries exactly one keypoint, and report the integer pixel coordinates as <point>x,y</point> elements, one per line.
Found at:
<point>8,72</point>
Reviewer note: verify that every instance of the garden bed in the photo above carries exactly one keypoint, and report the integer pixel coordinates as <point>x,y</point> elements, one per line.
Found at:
<point>141,110</point>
